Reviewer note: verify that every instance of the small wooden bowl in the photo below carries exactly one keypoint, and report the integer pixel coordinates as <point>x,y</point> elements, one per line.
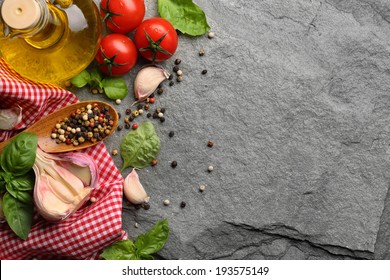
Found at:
<point>43,128</point>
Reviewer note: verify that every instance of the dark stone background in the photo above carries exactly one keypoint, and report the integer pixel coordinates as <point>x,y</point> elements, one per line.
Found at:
<point>297,102</point>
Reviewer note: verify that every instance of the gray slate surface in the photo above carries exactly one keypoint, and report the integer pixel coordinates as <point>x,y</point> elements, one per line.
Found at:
<point>297,102</point>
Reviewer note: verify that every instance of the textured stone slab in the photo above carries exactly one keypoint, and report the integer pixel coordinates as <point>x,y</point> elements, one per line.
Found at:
<point>297,102</point>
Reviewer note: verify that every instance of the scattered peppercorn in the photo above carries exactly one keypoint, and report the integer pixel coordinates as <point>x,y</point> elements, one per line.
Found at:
<point>114,152</point>
<point>160,91</point>
<point>134,126</point>
<point>182,204</point>
<point>210,168</point>
<point>171,83</point>
<point>92,199</point>
<point>201,52</point>
<point>154,162</point>
<point>170,77</point>
<point>151,100</point>
<point>128,111</point>
<point>136,225</point>
<point>211,35</point>
<point>166,202</point>
<point>127,126</point>
<point>119,128</point>
<point>179,78</point>
<point>174,164</point>
<point>146,205</point>
<point>162,119</point>
<point>146,107</point>
<point>148,115</point>
<point>175,68</point>
<point>177,61</point>
<point>171,134</point>
<point>204,72</point>
<point>202,188</point>
<point>210,144</point>
<point>118,101</point>
<point>179,72</point>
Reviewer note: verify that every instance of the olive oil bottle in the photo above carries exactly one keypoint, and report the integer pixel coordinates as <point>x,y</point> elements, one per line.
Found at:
<point>48,42</point>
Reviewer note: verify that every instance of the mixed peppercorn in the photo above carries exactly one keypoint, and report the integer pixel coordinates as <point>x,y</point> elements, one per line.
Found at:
<point>89,123</point>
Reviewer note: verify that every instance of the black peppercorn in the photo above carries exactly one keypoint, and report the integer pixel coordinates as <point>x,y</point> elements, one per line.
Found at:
<point>204,72</point>
<point>171,134</point>
<point>182,204</point>
<point>120,127</point>
<point>148,115</point>
<point>175,68</point>
<point>177,61</point>
<point>160,91</point>
<point>174,164</point>
<point>162,119</point>
<point>171,83</point>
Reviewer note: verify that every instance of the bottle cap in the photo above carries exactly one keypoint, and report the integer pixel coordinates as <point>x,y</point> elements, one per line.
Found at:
<point>20,14</point>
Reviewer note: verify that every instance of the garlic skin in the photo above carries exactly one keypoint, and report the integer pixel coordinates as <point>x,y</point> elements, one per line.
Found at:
<point>63,183</point>
<point>147,81</point>
<point>9,118</point>
<point>133,189</point>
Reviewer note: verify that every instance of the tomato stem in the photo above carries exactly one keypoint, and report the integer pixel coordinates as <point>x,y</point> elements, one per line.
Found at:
<point>154,46</point>
<point>109,14</point>
<point>109,61</point>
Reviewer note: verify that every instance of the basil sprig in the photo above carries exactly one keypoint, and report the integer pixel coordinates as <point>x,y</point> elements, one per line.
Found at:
<point>143,248</point>
<point>184,15</point>
<point>17,182</point>
<point>114,88</point>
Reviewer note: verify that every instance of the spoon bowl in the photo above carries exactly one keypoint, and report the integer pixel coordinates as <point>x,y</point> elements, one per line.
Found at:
<point>43,128</point>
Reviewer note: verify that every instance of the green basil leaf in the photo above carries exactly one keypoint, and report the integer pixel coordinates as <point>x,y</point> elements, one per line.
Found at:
<point>139,147</point>
<point>96,79</point>
<point>22,196</point>
<point>5,177</point>
<point>18,156</point>
<point>120,250</point>
<point>81,79</point>
<point>115,88</point>
<point>19,215</point>
<point>24,183</point>
<point>184,15</point>
<point>154,240</point>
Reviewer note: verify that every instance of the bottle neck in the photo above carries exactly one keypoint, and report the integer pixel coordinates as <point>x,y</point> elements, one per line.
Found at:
<point>25,18</point>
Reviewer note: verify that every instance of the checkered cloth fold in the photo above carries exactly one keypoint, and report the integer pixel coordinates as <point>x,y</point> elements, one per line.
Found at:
<point>85,233</point>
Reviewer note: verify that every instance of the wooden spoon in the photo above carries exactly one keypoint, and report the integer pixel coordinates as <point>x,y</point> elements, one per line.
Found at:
<point>43,128</point>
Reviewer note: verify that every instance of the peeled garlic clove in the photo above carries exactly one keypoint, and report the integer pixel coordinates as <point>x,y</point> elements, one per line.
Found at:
<point>147,81</point>
<point>62,185</point>
<point>133,189</point>
<point>9,118</point>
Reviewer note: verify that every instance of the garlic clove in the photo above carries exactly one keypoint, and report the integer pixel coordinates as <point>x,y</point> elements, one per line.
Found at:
<point>133,189</point>
<point>147,81</point>
<point>10,118</point>
<point>59,191</point>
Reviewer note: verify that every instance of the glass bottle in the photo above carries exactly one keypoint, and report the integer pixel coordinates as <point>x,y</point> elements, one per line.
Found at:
<point>49,42</point>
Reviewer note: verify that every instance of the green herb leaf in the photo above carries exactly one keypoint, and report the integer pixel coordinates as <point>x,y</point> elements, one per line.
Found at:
<point>19,215</point>
<point>145,245</point>
<point>139,147</point>
<point>18,156</point>
<point>154,240</point>
<point>184,15</point>
<point>115,88</point>
<point>81,79</point>
<point>96,79</point>
<point>120,250</point>
<point>24,183</point>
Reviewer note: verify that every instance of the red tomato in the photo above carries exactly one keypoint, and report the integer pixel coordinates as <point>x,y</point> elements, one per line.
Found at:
<point>117,55</point>
<point>122,16</point>
<point>156,39</point>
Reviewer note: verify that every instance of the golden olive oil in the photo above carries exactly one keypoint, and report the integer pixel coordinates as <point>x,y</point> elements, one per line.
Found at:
<point>62,48</point>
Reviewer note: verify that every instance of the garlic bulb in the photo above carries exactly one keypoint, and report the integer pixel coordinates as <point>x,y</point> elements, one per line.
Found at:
<point>133,189</point>
<point>147,81</point>
<point>9,118</point>
<point>63,183</point>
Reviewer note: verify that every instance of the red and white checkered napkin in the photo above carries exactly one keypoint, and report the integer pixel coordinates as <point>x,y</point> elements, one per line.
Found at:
<point>85,233</point>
